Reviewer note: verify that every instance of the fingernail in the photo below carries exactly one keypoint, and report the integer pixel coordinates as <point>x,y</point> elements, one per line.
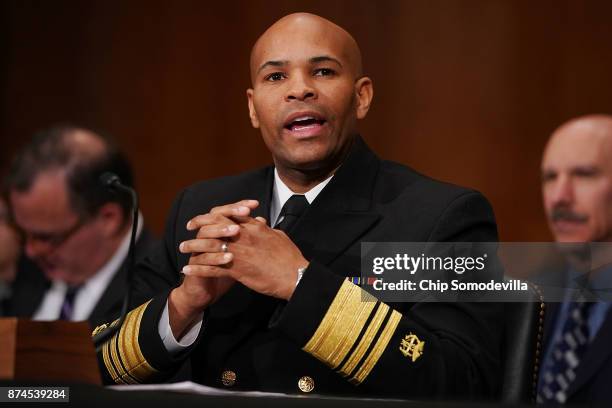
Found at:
<point>182,247</point>
<point>227,256</point>
<point>232,228</point>
<point>186,269</point>
<point>189,225</point>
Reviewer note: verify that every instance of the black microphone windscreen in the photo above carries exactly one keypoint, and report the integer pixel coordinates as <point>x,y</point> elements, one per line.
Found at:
<point>108,179</point>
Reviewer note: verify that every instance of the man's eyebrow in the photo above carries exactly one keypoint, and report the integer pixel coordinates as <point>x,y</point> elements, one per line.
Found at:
<point>313,60</point>
<point>324,58</point>
<point>272,64</point>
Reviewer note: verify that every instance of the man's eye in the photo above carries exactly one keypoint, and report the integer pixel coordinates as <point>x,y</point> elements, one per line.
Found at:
<point>275,76</point>
<point>548,176</point>
<point>586,172</point>
<point>324,72</point>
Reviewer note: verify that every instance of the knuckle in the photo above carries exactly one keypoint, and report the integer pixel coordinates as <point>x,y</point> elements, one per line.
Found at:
<point>199,219</point>
<point>201,233</point>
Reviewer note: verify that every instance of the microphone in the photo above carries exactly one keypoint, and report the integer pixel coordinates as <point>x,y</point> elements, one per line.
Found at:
<point>113,182</point>
<point>110,180</point>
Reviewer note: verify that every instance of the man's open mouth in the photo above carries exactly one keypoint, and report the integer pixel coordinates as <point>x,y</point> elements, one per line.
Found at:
<point>304,122</point>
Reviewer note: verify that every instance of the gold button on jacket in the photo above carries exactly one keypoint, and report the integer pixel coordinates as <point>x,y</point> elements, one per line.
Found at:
<point>228,378</point>
<point>306,384</point>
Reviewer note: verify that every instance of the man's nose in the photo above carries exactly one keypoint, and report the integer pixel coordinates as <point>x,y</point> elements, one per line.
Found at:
<point>563,191</point>
<point>300,88</point>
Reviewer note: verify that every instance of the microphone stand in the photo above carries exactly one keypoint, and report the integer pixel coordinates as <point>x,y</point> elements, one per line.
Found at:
<point>112,181</point>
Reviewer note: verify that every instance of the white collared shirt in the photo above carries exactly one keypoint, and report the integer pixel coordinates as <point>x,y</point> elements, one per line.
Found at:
<point>280,194</point>
<point>92,290</point>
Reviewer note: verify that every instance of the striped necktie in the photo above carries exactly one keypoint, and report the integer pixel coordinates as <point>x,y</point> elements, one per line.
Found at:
<point>560,369</point>
<point>68,306</point>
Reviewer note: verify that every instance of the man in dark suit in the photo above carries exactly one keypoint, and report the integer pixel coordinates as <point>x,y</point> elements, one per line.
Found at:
<point>9,255</point>
<point>577,192</point>
<point>265,302</point>
<point>76,231</point>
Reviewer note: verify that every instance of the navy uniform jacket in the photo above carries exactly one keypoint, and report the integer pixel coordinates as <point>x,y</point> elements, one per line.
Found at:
<point>325,332</point>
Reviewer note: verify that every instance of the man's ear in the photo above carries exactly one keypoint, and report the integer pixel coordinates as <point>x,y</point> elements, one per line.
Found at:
<point>365,92</point>
<point>110,216</point>
<point>252,111</point>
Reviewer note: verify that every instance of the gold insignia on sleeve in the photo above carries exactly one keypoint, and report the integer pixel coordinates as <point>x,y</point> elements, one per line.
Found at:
<point>99,329</point>
<point>412,347</point>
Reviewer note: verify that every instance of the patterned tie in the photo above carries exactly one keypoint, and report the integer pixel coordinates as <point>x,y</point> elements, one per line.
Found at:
<point>68,305</point>
<point>560,369</point>
<point>291,212</point>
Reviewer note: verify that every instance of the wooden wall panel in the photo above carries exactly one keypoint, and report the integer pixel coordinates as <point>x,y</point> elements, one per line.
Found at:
<point>465,91</point>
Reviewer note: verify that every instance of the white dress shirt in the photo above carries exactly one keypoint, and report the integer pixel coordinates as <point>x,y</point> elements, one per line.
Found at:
<point>280,194</point>
<point>92,290</point>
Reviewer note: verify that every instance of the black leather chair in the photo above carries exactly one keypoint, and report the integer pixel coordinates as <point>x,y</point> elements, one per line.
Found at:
<point>524,324</point>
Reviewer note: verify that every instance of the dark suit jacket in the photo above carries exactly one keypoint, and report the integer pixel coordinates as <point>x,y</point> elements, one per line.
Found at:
<point>31,284</point>
<point>594,373</point>
<point>367,200</point>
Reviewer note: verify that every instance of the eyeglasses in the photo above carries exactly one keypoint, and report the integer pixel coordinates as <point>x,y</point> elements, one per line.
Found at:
<point>54,240</point>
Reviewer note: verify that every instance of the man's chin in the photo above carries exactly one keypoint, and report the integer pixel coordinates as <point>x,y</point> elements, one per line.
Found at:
<point>56,274</point>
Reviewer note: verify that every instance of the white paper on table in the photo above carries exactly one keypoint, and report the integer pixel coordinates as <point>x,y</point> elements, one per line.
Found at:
<point>191,387</point>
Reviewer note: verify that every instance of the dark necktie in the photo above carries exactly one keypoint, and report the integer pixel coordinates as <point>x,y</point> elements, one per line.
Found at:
<point>68,305</point>
<point>291,212</point>
<point>560,369</point>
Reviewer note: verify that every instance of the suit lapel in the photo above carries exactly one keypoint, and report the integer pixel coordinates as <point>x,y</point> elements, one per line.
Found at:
<point>109,305</point>
<point>261,190</point>
<point>29,289</point>
<point>341,214</point>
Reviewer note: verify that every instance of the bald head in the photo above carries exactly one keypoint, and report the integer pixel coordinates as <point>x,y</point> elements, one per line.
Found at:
<point>589,128</point>
<point>305,28</point>
<point>84,144</point>
<point>577,180</point>
<point>79,156</point>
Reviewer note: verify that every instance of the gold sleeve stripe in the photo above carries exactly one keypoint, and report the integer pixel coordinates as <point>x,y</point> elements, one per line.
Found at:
<point>341,325</point>
<point>122,355</point>
<point>116,359</point>
<point>106,353</point>
<point>330,318</point>
<point>378,349</point>
<point>110,367</point>
<point>133,359</point>
<point>351,328</point>
<point>366,340</point>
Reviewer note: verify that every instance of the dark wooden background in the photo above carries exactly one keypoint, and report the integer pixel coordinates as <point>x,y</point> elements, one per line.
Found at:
<point>465,91</point>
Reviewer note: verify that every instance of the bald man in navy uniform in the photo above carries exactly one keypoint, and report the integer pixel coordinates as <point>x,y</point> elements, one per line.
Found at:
<point>265,303</point>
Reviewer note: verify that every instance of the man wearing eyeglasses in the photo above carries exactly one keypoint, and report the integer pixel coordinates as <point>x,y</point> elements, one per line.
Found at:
<point>75,231</point>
